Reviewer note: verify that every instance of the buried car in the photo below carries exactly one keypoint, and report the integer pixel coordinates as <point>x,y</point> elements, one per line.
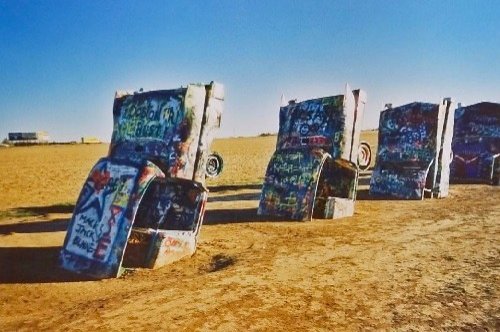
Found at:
<point>414,151</point>
<point>314,171</point>
<point>476,144</point>
<point>143,204</point>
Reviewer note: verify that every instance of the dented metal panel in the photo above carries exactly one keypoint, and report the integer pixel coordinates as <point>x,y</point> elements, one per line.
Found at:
<point>338,179</point>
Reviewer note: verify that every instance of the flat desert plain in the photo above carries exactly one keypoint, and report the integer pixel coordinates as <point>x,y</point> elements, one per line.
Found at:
<point>395,265</point>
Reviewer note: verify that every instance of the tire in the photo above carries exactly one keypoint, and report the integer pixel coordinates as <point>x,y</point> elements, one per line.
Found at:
<point>364,156</point>
<point>214,165</point>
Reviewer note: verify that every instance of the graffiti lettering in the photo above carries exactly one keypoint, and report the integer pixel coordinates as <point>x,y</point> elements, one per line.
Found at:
<point>88,221</point>
<point>81,230</point>
<point>83,244</point>
<point>151,117</point>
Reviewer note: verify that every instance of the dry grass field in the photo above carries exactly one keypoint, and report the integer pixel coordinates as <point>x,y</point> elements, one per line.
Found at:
<point>395,265</point>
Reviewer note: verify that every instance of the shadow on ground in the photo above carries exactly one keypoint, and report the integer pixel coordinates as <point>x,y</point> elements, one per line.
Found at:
<point>364,195</point>
<point>45,210</point>
<point>216,189</point>
<point>236,216</point>
<point>31,211</point>
<point>57,225</point>
<point>235,197</point>
<point>33,265</point>
<point>231,216</point>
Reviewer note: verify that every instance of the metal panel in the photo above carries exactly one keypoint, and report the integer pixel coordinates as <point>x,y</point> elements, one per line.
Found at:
<point>211,122</point>
<point>316,157</point>
<point>103,217</point>
<point>476,144</point>
<point>413,140</point>
<point>167,223</point>
<point>161,126</point>
<point>291,182</point>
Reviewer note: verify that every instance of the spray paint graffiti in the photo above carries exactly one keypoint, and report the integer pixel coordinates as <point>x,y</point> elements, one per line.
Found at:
<point>126,199</point>
<point>476,144</point>
<point>315,158</point>
<point>103,216</point>
<point>291,180</point>
<point>158,125</point>
<point>413,151</point>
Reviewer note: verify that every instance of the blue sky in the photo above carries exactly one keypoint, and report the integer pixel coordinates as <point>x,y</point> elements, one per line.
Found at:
<point>61,61</point>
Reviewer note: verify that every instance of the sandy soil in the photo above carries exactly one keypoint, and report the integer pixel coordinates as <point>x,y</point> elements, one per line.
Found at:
<point>395,265</point>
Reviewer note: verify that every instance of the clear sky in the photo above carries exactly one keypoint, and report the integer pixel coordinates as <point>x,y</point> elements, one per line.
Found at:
<point>61,61</point>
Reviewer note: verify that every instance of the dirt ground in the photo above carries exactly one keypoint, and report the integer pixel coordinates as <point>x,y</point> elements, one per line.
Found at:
<point>395,265</point>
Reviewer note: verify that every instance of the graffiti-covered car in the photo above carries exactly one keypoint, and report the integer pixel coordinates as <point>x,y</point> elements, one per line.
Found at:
<point>414,150</point>
<point>143,204</point>
<point>476,144</point>
<point>314,173</point>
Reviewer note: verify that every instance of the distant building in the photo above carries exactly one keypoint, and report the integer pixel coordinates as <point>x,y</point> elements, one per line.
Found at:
<point>39,137</point>
<point>90,140</point>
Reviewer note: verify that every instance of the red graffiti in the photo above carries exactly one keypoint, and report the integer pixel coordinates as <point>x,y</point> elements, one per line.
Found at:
<point>172,242</point>
<point>100,179</point>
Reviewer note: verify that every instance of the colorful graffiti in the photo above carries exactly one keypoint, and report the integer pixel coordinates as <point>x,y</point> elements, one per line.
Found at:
<point>173,128</point>
<point>476,144</point>
<point>156,135</point>
<point>319,123</point>
<point>291,180</point>
<point>315,158</point>
<point>414,145</point>
<point>103,216</point>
